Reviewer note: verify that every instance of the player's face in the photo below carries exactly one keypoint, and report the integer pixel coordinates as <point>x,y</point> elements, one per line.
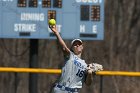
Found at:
<point>77,47</point>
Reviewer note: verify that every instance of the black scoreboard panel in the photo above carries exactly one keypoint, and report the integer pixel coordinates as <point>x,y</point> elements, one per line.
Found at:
<point>22,3</point>
<point>33,3</point>
<point>57,3</point>
<point>46,3</point>
<point>95,13</point>
<point>85,12</point>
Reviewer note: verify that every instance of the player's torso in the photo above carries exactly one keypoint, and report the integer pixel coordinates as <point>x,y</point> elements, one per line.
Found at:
<point>73,73</point>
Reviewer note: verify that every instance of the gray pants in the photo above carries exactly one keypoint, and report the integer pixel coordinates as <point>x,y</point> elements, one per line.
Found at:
<point>58,90</point>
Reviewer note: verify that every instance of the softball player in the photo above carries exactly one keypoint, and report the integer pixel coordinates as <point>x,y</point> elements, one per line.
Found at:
<point>74,72</point>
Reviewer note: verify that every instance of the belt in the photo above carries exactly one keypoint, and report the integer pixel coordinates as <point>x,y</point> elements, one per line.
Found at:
<point>67,88</point>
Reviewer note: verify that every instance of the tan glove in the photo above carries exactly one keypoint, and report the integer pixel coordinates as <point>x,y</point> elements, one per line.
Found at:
<point>95,67</point>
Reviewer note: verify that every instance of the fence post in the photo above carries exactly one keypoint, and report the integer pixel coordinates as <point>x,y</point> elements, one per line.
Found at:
<point>101,84</point>
<point>33,64</point>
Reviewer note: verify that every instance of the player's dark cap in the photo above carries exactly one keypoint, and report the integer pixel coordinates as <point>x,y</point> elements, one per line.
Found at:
<point>76,40</point>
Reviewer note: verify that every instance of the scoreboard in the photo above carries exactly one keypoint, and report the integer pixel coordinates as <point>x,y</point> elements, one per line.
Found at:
<point>82,19</point>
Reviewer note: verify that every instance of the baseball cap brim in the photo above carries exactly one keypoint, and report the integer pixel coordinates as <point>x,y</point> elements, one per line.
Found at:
<point>75,40</point>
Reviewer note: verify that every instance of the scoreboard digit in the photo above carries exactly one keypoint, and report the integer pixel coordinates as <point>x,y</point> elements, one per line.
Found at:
<point>82,19</point>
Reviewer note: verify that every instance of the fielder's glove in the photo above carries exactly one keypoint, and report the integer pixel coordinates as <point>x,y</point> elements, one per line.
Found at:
<point>95,67</point>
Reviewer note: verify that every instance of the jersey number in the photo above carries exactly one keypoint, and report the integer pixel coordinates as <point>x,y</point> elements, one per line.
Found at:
<point>80,73</point>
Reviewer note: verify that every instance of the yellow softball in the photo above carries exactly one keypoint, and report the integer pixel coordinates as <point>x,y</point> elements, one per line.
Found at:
<point>52,22</point>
